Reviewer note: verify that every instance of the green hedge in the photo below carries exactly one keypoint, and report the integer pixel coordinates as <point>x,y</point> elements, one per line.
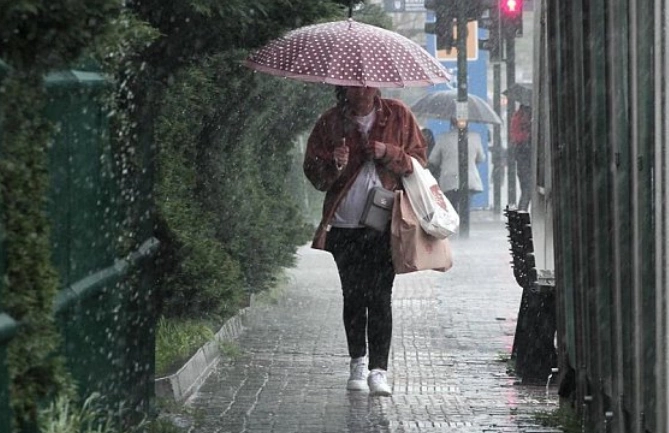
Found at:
<point>228,218</point>
<point>30,278</point>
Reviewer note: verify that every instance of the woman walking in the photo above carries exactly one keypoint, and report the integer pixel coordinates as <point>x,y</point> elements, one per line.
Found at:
<point>362,142</point>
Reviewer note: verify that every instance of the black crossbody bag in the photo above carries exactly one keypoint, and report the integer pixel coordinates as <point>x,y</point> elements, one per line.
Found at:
<point>378,209</point>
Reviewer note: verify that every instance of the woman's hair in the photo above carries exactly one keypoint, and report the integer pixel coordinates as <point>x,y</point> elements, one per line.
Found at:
<point>340,94</point>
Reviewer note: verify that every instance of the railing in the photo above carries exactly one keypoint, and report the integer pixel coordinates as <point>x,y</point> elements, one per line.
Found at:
<point>105,310</point>
<point>107,322</point>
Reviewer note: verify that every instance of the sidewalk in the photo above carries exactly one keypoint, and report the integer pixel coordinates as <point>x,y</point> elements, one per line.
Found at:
<point>452,332</point>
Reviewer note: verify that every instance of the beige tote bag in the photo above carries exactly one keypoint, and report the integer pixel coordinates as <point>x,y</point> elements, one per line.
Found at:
<point>413,249</point>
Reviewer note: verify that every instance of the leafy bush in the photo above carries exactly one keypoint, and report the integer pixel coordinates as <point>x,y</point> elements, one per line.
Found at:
<point>228,218</point>
<point>43,35</point>
<point>198,274</point>
<point>29,275</point>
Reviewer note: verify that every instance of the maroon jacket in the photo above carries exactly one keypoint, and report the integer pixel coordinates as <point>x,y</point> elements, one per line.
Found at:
<point>395,125</point>
<point>521,126</point>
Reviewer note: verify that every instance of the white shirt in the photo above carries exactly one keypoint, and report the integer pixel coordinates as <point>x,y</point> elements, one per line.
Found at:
<point>350,208</point>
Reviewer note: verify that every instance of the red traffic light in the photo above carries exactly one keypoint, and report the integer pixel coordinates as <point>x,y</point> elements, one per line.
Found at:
<point>511,7</point>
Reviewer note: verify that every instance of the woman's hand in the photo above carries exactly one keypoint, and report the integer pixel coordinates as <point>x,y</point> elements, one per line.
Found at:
<point>376,149</point>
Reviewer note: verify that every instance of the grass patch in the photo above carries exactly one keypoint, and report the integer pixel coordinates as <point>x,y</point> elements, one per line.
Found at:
<point>64,415</point>
<point>68,415</point>
<point>562,418</point>
<point>162,426</point>
<point>230,350</point>
<point>177,341</point>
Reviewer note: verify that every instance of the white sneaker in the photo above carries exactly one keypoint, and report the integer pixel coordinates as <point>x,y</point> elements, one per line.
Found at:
<point>378,386</point>
<point>356,381</point>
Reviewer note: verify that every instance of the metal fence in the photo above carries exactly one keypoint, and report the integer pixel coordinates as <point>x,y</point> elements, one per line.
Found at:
<point>105,309</point>
<point>605,70</point>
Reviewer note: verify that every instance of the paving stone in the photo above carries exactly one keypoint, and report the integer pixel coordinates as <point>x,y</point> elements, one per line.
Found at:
<point>451,334</point>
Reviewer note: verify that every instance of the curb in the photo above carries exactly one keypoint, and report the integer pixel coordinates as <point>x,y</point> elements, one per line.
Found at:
<point>190,377</point>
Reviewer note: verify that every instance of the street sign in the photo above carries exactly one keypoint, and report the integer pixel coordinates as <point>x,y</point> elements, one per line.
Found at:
<point>395,6</point>
<point>414,5</point>
<point>462,110</point>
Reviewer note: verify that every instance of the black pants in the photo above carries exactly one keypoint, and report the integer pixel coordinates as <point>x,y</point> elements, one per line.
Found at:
<point>523,155</point>
<point>366,272</point>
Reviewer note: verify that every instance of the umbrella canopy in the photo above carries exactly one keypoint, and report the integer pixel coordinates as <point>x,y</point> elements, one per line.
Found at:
<point>349,53</point>
<point>520,92</point>
<point>443,105</point>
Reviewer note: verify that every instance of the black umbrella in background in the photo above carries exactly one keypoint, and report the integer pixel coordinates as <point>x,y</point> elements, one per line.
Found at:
<point>520,92</point>
<point>442,105</point>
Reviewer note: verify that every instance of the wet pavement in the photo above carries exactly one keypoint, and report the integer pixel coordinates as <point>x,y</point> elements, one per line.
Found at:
<point>453,333</point>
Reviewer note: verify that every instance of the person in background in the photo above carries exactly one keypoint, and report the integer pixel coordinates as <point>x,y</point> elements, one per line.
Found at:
<point>444,158</point>
<point>520,137</point>
<point>362,142</point>
<point>428,135</point>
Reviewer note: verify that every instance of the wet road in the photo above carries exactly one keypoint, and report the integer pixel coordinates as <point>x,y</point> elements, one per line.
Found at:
<point>452,334</point>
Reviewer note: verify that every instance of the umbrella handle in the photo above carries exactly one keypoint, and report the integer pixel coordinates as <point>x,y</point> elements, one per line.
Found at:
<point>350,8</point>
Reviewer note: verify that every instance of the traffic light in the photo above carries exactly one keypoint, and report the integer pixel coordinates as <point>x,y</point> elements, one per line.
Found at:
<point>489,20</point>
<point>511,17</point>
<point>444,21</point>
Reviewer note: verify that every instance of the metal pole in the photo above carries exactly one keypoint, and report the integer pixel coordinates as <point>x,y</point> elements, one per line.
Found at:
<point>510,108</point>
<point>497,163</point>
<point>463,145</point>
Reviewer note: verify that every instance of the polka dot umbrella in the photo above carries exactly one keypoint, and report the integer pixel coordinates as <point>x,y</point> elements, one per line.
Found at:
<point>349,53</point>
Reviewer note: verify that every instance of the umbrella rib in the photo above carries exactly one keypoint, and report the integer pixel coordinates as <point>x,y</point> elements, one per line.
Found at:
<point>363,61</point>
